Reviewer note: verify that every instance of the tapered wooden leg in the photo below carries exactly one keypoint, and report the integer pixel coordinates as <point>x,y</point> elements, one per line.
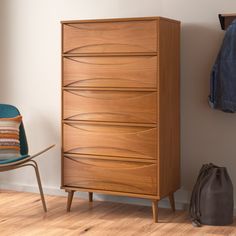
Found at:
<point>155,210</point>
<point>39,184</point>
<point>172,201</point>
<point>69,199</point>
<point>90,196</point>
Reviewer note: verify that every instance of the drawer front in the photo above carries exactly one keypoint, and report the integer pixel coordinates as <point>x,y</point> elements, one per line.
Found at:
<point>105,37</point>
<point>112,106</point>
<point>126,71</point>
<point>133,177</point>
<point>109,140</point>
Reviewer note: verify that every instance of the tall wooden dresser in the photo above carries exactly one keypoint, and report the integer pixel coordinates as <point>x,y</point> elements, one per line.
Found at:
<point>120,108</point>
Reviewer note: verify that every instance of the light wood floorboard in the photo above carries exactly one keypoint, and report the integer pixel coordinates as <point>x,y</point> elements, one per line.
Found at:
<point>22,214</point>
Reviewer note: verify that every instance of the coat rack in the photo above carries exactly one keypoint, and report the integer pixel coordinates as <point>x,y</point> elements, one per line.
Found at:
<point>226,20</point>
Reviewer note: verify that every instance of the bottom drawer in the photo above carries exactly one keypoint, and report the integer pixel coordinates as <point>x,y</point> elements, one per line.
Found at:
<point>121,176</point>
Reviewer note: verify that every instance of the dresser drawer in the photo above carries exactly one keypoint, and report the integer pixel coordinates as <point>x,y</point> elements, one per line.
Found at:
<point>132,177</point>
<point>112,106</point>
<point>128,71</point>
<point>104,37</point>
<point>110,140</point>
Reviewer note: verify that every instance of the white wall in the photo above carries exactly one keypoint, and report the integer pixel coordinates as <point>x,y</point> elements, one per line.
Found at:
<point>30,78</point>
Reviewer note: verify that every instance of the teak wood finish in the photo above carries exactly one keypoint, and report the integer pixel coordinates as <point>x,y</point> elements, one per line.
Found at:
<point>111,106</point>
<point>110,72</point>
<point>120,141</point>
<point>123,176</point>
<point>120,108</point>
<point>110,37</point>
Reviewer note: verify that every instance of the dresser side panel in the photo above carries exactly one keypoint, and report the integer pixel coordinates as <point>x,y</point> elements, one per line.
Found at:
<point>169,107</point>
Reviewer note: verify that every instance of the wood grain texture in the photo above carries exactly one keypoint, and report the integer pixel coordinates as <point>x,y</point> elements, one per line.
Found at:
<point>155,210</point>
<point>121,107</point>
<point>21,214</point>
<point>110,140</point>
<point>172,201</point>
<point>112,192</point>
<point>113,54</point>
<point>169,107</point>
<point>135,177</point>
<point>69,199</point>
<point>120,89</point>
<point>114,158</point>
<point>115,72</point>
<point>138,36</point>
<point>124,19</point>
<point>111,106</point>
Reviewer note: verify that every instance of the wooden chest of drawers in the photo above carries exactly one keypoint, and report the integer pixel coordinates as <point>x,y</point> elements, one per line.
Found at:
<point>120,108</point>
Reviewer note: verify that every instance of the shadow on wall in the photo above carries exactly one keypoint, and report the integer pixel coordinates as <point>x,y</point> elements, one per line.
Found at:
<point>4,47</point>
<point>50,134</point>
<point>206,135</point>
<point>200,46</point>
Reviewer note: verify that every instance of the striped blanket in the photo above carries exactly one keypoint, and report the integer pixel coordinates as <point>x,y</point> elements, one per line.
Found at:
<point>9,137</point>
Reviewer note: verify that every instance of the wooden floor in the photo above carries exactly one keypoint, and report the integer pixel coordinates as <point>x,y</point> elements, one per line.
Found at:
<point>22,214</point>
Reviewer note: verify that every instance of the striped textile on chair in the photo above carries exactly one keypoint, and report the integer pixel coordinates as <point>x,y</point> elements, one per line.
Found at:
<point>9,137</point>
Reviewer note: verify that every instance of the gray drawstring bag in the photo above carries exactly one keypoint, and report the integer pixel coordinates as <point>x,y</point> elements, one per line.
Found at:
<point>212,197</point>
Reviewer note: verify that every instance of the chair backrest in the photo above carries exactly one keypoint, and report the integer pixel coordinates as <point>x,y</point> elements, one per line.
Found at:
<point>8,111</point>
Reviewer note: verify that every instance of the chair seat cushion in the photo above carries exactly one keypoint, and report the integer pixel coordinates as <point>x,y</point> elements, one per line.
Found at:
<point>15,159</point>
<point>9,137</point>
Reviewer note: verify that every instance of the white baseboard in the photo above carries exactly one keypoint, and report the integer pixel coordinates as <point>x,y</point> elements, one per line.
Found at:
<point>181,196</point>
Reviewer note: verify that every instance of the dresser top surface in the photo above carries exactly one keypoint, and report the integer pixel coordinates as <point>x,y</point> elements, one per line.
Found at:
<point>119,20</point>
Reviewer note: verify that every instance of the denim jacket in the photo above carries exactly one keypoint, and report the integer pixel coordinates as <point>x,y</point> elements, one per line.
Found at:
<point>223,76</point>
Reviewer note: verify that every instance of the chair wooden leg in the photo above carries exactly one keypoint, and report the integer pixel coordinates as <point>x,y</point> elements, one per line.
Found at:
<point>155,210</point>
<point>90,196</point>
<point>172,201</point>
<point>40,185</point>
<point>69,200</point>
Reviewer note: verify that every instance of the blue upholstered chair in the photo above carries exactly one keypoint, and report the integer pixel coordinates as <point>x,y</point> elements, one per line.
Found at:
<point>8,111</point>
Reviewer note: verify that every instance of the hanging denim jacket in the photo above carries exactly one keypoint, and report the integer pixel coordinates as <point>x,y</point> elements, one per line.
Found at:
<point>223,76</point>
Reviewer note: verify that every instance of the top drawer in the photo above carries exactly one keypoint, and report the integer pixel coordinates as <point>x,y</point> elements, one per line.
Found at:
<point>107,37</point>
